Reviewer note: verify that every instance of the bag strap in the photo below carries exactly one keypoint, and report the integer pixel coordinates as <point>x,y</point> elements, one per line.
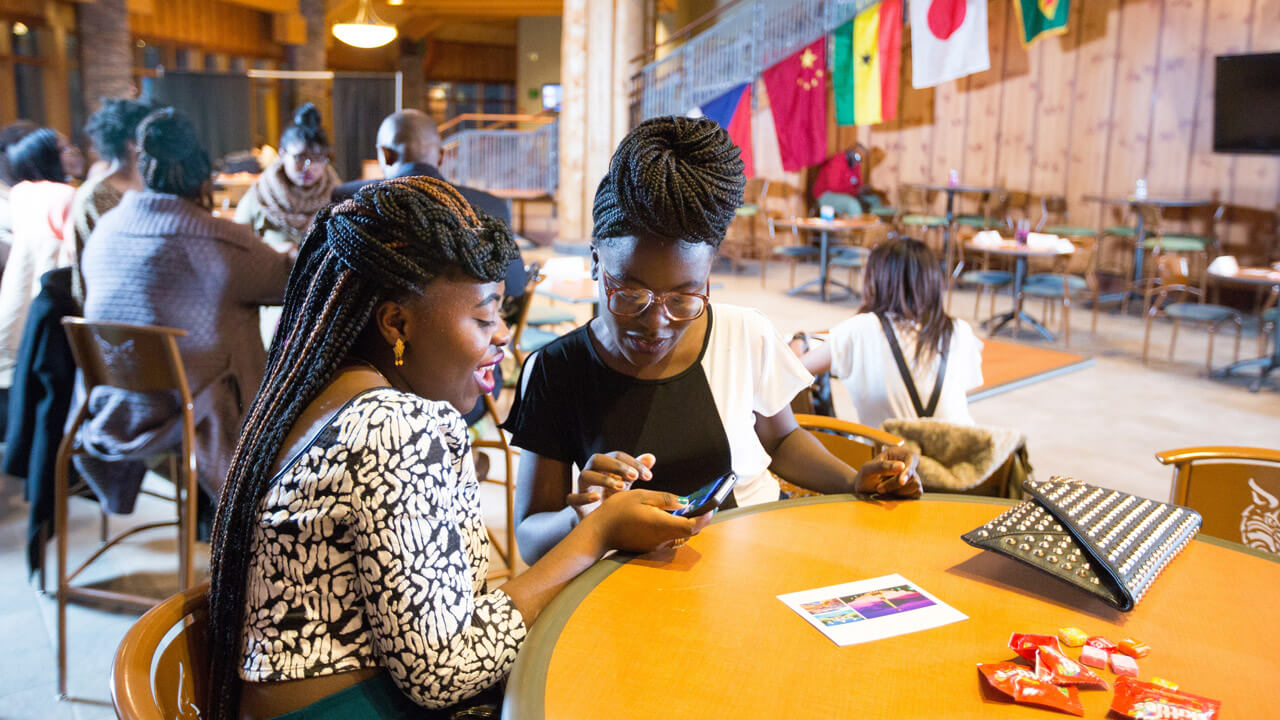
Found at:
<point>921,410</point>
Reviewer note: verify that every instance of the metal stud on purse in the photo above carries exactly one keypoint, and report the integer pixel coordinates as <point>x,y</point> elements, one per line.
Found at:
<point>1106,542</point>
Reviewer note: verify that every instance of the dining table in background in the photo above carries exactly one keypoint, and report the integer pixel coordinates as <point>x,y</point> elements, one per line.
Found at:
<point>1021,253</point>
<point>950,216</point>
<point>698,632</point>
<point>520,198</point>
<point>1266,277</point>
<point>824,228</point>
<point>1140,232</point>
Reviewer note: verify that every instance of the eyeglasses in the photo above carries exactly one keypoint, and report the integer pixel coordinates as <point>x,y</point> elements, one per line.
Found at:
<point>630,302</point>
<point>302,161</point>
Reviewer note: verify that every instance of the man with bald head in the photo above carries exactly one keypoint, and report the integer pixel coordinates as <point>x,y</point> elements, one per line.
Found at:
<point>409,145</point>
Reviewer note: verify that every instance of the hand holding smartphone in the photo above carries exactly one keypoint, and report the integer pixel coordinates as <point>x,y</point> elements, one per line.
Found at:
<point>708,497</point>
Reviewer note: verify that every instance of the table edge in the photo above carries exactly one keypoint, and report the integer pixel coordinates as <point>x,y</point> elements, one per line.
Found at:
<point>525,696</point>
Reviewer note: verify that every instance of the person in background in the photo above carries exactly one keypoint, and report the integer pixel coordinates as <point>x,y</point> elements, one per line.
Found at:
<point>9,134</point>
<point>349,551</point>
<point>113,129</point>
<point>664,385</point>
<point>160,257</point>
<point>903,308</point>
<point>282,204</point>
<point>39,205</point>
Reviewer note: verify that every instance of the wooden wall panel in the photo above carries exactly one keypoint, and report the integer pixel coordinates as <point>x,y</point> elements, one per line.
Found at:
<point>209,25</point>
<point>1127,93</point>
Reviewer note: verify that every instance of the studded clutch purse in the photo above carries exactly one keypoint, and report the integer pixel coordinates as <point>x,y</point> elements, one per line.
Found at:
<point>1106,542</point>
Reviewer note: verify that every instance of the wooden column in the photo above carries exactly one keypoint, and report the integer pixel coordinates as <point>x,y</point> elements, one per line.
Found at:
<point>413,78</point>
<point>597,42</point>
<point>106,51</point>
<point>8,88</point>
<point>311,56</point>
<point>57,102</point>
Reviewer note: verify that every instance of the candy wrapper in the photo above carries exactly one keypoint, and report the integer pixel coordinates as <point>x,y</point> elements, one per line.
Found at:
<point>1148,701</point>
<point>1025,686</point>
<point>1101,643</point>
<point>1052,663</point>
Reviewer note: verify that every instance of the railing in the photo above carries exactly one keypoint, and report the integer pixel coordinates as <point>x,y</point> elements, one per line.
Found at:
<point>504,159</point>
<point>492,121</point>
<point>747,38</point>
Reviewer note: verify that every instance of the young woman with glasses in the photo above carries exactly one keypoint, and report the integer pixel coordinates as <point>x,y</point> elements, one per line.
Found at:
<point>665,386</point>
<point>282,204</point>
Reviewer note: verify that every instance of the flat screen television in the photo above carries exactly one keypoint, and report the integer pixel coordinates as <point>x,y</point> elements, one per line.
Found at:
<point>1246,104</point>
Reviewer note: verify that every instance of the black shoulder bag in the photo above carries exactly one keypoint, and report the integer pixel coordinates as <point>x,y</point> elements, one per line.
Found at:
<point>905,372</point>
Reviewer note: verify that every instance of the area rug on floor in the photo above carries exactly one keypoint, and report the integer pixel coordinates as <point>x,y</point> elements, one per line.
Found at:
<point>1007,365</point>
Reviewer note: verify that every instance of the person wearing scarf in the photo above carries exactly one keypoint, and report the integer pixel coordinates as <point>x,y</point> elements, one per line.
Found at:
<point>282,204</point>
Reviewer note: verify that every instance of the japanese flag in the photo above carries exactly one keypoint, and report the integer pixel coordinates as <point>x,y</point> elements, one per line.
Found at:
<point>948,40</point>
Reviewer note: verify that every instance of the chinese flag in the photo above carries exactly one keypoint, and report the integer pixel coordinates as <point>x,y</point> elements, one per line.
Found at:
<point>797,89</point>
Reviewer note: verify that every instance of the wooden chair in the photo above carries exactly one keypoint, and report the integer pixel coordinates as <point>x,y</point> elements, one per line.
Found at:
<point>1063,283</point>
<point>1203,246</point>
<point>994,211</point>
<point>1235,489</point>
<point>162,665</point>
<point>1054,220</point>
<point>741,242</point>
<point>852,443</point>
<point>136,358</point>
<point>506,549</point>
<point>914,216</point>
<point>524,338</point>
<point>789,247</point>
<point>1171,282</point>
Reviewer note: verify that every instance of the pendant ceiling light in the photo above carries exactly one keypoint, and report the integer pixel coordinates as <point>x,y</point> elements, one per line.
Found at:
<point>367,30</point>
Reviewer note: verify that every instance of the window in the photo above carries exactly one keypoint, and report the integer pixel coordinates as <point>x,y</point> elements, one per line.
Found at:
<point>28,75</point>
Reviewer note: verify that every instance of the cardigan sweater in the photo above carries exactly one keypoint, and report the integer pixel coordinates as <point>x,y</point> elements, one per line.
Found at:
<point>158,259</point>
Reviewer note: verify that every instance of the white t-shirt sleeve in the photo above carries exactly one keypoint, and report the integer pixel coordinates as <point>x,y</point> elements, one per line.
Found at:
<point>780,374</point>
<point>841,341</point>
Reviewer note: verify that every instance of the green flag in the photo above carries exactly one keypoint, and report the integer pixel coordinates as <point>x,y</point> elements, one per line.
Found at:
<point>1041,17</point>
<point>842,73</point>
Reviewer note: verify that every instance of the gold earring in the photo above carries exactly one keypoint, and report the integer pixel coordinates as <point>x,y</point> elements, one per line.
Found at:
<point>398,349</point>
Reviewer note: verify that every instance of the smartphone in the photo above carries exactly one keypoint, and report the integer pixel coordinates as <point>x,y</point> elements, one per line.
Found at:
<point>709,496</point>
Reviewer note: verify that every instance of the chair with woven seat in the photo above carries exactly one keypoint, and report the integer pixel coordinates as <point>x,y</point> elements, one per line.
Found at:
<point>1075,276</point>
<point>161,668</point>
<point>141,359</point>
<point>1172,283</point>
<point>1236,490</point>
<point>851,443</point>
<point>789,247</point>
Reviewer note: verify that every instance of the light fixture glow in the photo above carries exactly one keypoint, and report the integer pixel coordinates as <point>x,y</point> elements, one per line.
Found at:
<point>367,30</point>
<point>20,29</point>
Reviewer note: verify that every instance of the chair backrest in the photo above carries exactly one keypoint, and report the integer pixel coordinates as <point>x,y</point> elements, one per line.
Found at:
<point>1053,210</point>
<point>534,276</point>
<point>1173,269</point>
<point>852,443</point>
<point>139,358</point>
<point>1235,489</point>
<point>159,674</point>
<point>914,198</point>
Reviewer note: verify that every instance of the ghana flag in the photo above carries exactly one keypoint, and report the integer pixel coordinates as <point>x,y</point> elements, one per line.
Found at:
<point>1041,17</point>
<point>868,51</point>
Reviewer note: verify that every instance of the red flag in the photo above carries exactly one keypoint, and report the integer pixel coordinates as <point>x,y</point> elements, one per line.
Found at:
<point>797,89</point>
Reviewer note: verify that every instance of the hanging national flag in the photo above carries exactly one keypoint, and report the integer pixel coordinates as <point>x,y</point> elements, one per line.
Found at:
<point>948,40</point>
<point>798,98</point>
<point>1041,17</point>
<point>733,111</point>
<point>868,52</point>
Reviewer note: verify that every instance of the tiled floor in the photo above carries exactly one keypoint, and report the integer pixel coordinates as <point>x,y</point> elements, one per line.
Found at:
<point>1101,424</point>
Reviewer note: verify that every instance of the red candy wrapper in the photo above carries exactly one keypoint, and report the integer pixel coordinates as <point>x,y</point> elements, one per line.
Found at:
<point>1025,686</point>
<point>1101,643</point>
<point>1148,701</point>
<point>1050,661</point>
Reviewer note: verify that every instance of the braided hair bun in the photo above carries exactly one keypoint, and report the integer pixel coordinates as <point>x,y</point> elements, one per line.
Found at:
<point>307,130</point>
<point>170,158</point>
<point>672,178</point>
<point>307,116</point>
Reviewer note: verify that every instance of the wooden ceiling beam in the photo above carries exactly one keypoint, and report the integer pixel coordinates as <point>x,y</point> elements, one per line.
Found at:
<point>272,6</point>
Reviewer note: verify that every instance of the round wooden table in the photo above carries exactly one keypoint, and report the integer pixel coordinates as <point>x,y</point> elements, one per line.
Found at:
<point>699,632</point>
<point>824,228</point>
<point>1020,253</point>
<point>1267,277</point>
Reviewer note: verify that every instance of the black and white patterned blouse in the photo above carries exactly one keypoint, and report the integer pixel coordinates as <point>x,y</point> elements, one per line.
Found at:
<point>369,551</point>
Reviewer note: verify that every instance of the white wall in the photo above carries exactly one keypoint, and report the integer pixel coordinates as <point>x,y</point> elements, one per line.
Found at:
<point>536,37</point>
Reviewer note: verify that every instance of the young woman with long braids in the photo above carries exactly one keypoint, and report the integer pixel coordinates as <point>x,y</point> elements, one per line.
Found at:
<point>903,309</point>
<point>665,386</point>
<point>349,555</point>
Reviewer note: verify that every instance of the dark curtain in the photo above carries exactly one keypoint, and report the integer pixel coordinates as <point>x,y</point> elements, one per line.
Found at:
<point>359,105</point>
<point>217,104</point>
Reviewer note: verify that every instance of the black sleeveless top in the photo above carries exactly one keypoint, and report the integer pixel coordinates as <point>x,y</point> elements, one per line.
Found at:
<point>571,405</point>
